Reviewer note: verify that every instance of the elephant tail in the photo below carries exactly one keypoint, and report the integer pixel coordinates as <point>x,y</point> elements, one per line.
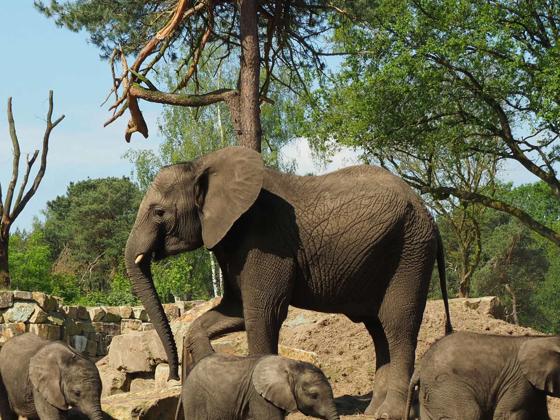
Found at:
<point>443,282</point>
<point>414,382</point>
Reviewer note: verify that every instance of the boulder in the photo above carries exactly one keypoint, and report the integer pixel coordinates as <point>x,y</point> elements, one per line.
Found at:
<point>46,302</point>
<point>56,319</point>
<point>147,326</point>
<point>126,312</point>
<point>172,311</point>
<point>6,299</point>
<point>136,352</point>
<point>39,316</point>
<point>112,314</point>
<point>144,405</point>
<point>72,328</point>
<point>10,330</point>
<point>141,384</point>
<point>91,347</point>
<point>96,314</point>
<point>113,381</point>
<point>161,375</point>
<point>140,313</point>
<point>298,354</point>
<point>487,306</point>
<point>22,295</point>
<point>46,331</point>
<point>76,312</point>
<point>79,342</point>
<point>107,328</point>
<point>20,312</point>
<point>130,325</point>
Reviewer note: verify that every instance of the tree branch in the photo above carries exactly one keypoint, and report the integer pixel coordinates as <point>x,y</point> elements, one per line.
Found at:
<point>468,196</point>
<point>39,176</point>
<point>220,95</point>
<point>15,163</point>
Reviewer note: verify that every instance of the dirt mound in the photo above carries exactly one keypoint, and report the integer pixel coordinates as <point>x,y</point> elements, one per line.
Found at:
<point>345,352</point>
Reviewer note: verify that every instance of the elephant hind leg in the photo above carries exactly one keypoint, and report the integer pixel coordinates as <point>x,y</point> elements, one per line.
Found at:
<point>400,315</point>
<point>382,359</point>
<point>6,412</point>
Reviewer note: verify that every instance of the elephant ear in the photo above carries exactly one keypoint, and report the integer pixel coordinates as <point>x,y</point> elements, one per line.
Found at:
<point>228,183</point>
<point>45,374</point>
<point>271,379</point>
<point>540,363</point>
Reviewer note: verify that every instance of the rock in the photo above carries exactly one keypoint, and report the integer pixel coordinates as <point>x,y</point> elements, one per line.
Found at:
<point>126,312</point>
<point>22,295</point>
<point>85,327</point>
<point>56,319</point>
<point>147,326</point>
<point>145,405</point>
<point>141,384</point>
<point>79,342</point>
<point>71,328</point>
<point>136,352</point>
<point>198,310</point>
<point>172,311</point>
<point>20,312</point>
<point>39,316</point>
<point>1,317</point>
<point>140,313</point>
<point>130,325</point>
<point>6,299</point>
<point>161,375</point>
<point>113,381</point>
<point>112,314</point>
<point>76,312</point>
<point>107,328</point>
<point>298,354</point>
<point>46,331</point>
<point>91,348</point>
<point>96,314</point>
<point>487,305</point>
<point>10,330</point>
<point>46,302</point>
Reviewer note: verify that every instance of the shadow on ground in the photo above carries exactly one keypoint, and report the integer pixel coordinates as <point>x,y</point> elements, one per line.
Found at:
<point>348,405</point>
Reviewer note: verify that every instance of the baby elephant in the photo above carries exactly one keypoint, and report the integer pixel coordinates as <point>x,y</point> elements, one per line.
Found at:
<point>44,379</point>
<point>227,387</point>
<point>475,376</point>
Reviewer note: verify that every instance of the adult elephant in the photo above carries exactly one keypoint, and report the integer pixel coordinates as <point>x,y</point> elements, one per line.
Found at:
<point>357,241</point>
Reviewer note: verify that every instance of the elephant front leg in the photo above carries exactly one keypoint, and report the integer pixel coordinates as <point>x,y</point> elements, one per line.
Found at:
<point>266,289</point>
<point>6,412</point>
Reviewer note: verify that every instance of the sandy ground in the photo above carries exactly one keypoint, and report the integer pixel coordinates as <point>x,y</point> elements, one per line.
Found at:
<point>345,352</point>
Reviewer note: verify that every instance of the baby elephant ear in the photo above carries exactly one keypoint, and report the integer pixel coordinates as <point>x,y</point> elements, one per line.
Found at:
<point>228,183</point>
<point>45,374</point>
<point>271,380</point>
<point>540,363</point>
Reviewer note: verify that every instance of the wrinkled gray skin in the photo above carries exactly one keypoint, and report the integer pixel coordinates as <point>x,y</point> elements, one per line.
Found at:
<point>227,387</point>
<point>43,379</point>
<point>472,376</point>
<point>357,241</point>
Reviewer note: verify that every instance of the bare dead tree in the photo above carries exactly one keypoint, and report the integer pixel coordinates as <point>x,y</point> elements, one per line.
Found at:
<point>266,35</point>
<point>12,206</point>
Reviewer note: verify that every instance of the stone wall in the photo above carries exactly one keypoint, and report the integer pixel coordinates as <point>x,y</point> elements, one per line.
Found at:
<point>89,330</point>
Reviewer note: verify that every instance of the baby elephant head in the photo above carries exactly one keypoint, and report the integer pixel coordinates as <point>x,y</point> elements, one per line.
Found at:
<point>292,385</point>
<point>539,358</point>
<point>65,379</point>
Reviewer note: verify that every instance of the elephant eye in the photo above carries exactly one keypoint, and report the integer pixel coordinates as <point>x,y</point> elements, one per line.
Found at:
<point>159,212</point>
<point>77,392</point>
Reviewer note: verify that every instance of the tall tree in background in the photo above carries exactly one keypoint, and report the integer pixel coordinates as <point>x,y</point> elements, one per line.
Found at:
<point>12,206</point>
<point>273,36</point>
<point>468,77</point>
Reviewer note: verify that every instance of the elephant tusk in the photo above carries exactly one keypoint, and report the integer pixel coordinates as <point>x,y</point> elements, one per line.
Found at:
<point>138,259</point>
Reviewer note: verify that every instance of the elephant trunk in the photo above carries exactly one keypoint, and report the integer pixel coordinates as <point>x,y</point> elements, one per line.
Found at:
<point>143,286</point>
<point>93,412</point>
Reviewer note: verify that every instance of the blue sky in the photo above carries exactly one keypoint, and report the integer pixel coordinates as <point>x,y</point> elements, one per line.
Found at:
<point>39,56</point>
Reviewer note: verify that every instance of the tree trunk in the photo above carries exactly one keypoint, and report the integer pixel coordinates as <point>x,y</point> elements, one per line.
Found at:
<point>513,304</point>
<point>4,270</point>
<point>464,287</point>
<point>249,109</point>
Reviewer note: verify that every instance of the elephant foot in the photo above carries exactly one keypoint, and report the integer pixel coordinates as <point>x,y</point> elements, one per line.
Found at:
<point>391,408</point>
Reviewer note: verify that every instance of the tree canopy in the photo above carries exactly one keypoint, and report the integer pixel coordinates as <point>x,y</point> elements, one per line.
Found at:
<point>431,84</point>
<point>280,37</point>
